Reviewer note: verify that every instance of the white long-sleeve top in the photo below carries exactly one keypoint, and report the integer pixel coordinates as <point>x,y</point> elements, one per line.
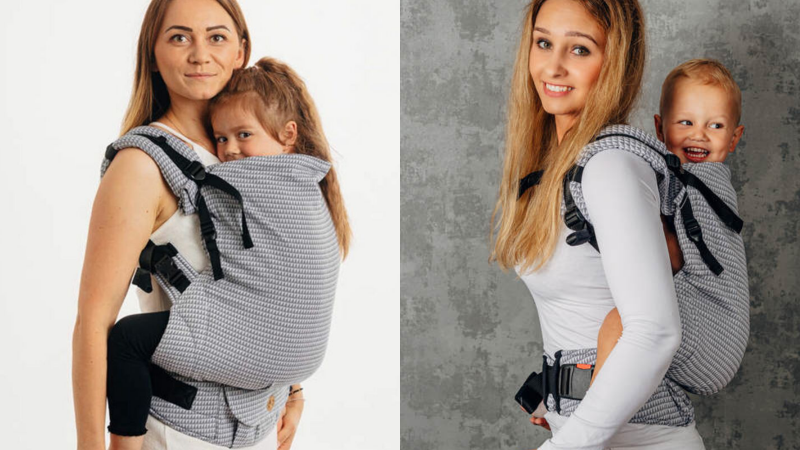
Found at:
<point>577,288</point>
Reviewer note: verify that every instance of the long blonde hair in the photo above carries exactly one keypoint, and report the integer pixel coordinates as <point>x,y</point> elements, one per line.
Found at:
<point>275,94</point>
<point>525,231</point>
<point>149,98</point>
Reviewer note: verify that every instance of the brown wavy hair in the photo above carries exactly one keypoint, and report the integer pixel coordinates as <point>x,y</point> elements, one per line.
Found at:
<point>149,98</point>
<point>525,231</point>
<point>275,94</point>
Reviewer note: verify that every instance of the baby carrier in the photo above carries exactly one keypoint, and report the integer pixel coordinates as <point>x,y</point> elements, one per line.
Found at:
<point>260,313</point>
<point>711,288</point>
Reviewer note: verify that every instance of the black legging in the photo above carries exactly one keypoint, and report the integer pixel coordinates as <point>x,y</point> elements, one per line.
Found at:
<point>131,343</point>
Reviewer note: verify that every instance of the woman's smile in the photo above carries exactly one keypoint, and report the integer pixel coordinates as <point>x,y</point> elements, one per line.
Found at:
<point>556,90</point>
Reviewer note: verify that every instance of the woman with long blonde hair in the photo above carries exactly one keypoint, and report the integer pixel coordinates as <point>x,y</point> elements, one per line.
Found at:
<point>579,70</point>
<point>187,52</point>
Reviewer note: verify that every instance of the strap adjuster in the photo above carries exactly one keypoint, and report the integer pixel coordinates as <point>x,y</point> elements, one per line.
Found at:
<point>673,163</point>
<point>573,219</point>
<point>195,171</point>
<point>693,230</point>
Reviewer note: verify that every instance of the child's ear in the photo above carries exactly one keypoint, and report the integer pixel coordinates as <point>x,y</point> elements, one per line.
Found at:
<point>289,135</point>
<point>737,134</point>
<point>659,130</point>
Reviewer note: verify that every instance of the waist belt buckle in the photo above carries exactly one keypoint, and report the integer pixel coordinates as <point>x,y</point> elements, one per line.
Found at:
<point>574,380</point>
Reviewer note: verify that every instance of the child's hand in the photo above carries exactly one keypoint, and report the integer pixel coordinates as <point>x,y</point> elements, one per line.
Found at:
<point>540,421</point>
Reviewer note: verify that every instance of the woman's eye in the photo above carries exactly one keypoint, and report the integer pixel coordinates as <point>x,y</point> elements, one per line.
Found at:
<point>244,135</point>
<point>543,44</point>
<point>218,38</point>
<point>179,38</point>
<point>685,122</point>
<point>580,51</point>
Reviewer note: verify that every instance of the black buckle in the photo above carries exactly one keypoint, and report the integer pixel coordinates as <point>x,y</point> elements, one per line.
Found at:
<point>573,219</point>
<point>111,152</point>
<point>673,163</point>
<point>195,171</point>
<point>574,380</point>
<point>208,231</point>
<point>693,230</point>
<point>579,238</point>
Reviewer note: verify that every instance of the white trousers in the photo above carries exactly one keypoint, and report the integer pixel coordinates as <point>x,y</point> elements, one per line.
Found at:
<point>644,437</point>
<point>161,437</point>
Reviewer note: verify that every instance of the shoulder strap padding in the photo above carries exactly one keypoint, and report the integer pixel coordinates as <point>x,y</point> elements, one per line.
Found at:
<point>182,186</point>
<point>644,145</point>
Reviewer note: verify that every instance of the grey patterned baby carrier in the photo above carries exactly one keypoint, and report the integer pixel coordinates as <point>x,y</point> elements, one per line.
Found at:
<point>712,287</point>
<point>260,314</point>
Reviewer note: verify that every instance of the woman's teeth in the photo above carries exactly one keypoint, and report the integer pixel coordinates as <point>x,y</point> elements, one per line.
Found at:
<point>554,88</point>
<point>696,152</point>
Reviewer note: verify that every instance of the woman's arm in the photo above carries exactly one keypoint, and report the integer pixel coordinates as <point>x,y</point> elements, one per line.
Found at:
<point>623,204</point>
<point>123,215</point>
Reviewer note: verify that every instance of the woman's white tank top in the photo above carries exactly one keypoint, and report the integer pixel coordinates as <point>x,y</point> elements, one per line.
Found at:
<point>182,231</point>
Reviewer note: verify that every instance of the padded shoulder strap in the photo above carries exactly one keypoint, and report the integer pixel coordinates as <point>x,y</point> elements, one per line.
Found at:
<point>176,160</point>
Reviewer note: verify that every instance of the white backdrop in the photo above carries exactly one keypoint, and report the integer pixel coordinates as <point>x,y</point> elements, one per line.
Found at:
<point>65,80</point>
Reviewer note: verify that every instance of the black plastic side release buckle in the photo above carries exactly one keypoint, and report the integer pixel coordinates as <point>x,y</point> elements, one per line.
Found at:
<point>574,380</point>
<point>530,394</point>
<point>579,237</point>
<point>195,171</point>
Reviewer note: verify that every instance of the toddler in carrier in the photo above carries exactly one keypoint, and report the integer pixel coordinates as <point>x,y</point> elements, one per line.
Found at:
<point>265,111</point>
<point>698,122</point>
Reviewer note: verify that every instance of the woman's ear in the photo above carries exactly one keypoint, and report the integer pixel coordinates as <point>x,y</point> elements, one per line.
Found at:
<point>240,54</point>
<point>289,136</point>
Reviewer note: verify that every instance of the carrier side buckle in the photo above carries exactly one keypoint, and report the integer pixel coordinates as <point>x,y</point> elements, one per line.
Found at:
<point>574,380</point>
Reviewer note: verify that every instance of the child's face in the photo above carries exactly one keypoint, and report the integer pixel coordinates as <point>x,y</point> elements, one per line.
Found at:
<point>238,134</point>
<point>699,125</point>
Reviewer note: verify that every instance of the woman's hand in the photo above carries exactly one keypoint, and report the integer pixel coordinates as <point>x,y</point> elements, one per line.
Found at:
<point>290,418</point>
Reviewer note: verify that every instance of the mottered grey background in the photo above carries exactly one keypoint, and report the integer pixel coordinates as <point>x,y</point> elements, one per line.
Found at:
<point>469,332</point>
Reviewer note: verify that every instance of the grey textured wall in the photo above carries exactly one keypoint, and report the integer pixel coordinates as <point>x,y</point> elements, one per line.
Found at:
<point>470,333</point>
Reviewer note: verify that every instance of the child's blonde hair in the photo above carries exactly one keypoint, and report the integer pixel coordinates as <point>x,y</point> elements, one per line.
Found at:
<point>708,71</point>
<point>276,95</point>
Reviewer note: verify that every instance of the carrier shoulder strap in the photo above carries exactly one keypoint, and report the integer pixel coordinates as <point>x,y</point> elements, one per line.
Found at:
<point>582,228</point>
<point>185,175</point>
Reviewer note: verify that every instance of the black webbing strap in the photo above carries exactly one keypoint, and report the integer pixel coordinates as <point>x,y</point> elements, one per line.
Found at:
<point>528,181</point>
<point>725,213</point>
<point>195,171</point>
<point>158,259</point>
<point>693,230</point>
<point>165,386</point>
<point>695,234</point>
<point>575,221</point>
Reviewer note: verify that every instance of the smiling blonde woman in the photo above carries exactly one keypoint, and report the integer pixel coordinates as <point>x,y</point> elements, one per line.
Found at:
<point>578,70</point>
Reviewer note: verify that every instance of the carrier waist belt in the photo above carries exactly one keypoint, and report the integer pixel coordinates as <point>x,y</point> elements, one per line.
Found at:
<point>564,380</point>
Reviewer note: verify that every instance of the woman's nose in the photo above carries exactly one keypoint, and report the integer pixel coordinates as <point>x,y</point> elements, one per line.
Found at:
<point>199,53</point>
<point>555,65</point>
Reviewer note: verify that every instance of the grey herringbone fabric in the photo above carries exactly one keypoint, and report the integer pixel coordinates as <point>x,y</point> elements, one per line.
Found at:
<point>264,326</point>
<point>669,405</point>
<point>714,309</point>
